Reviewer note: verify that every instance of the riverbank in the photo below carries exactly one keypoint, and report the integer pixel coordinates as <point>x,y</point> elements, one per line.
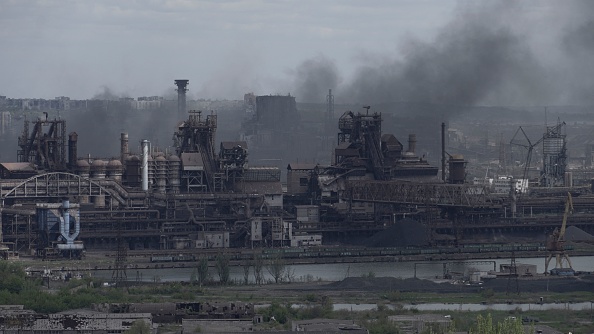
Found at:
<point>104,260</point>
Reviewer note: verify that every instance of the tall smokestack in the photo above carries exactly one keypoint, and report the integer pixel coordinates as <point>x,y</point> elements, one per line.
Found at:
<point>181,97</point>
<point>72,149</point>
<point>443,153</point>
<point>124,152</point>
<point>145,153</point>
<point>412,143</point>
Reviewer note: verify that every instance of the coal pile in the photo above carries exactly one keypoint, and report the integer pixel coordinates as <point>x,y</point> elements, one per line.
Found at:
<point>499,285</point>
<point>403,233</point>
<point>392,284</point>
<point>573,233</point>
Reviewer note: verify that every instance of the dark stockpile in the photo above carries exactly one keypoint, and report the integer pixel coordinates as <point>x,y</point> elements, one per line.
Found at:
<point>403,233</point>
<point>500,285</point>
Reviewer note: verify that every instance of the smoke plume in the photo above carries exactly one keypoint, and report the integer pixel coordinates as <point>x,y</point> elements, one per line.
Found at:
<point>488,54</point>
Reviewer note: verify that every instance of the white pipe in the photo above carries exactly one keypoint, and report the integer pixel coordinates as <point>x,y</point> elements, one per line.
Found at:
<point>144,167</point>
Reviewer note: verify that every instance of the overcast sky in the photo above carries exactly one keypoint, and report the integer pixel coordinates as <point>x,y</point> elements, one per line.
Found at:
<point>77,48</point>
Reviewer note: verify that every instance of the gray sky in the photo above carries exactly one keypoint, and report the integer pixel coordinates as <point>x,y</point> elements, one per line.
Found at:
<point>137,48</point>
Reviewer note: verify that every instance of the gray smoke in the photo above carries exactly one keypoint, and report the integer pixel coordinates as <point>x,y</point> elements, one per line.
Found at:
<point>486,55</point>
<point>99,127</point>
<point>314,77</point>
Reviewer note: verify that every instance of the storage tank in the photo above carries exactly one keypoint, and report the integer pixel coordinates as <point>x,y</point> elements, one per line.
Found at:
<point>83,168</point>
<point>98,169</point>
<point>114,170</point>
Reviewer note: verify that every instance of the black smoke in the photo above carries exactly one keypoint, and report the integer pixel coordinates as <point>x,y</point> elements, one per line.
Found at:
<point>488,54</point>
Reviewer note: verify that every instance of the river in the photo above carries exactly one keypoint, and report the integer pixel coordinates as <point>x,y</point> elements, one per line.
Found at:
<point>339,271</point>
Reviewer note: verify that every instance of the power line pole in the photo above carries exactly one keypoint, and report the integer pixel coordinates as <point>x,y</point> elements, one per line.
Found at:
<point>513,275</point>
<point>119,277</point>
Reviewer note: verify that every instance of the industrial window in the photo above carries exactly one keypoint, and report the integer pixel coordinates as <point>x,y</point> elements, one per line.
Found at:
<point>303,181</point>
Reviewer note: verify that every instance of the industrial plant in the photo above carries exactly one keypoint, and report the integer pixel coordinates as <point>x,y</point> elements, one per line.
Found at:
<point>200,194</point>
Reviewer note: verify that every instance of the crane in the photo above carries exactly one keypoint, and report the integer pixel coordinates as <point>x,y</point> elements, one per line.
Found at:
<point>556,240</point>
<point>529,146</point>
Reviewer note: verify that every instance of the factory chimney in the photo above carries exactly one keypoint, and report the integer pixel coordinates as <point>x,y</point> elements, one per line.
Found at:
<point>181,97</point>
<point>412,143</point>
<point>124,152</point>
<point>443,152</point>
<point>72,150</point>
<point>144,167</point>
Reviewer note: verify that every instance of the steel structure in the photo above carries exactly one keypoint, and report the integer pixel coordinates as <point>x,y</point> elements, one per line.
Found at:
<point>44,145</point>
<point>182,85</point>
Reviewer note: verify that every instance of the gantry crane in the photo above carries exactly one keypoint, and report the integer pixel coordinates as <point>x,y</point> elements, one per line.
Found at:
<point>556,240</point>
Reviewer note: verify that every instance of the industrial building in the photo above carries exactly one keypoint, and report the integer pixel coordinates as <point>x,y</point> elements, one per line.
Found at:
<point>199,195</point>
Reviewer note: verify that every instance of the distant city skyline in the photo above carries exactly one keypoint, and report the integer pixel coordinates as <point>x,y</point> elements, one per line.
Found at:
<point>83,49</point>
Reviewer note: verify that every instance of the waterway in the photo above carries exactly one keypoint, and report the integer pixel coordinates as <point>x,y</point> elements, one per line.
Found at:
<point>339,271</point>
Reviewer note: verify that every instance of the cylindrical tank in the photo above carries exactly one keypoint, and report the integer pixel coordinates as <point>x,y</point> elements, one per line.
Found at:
<point>569,179</point>
<point>144,166</point>
<point>83,168</point>
<point>161,173</point>
<point>72,149</point>
<point>114,170</point>
<point>412,142</point>
<point>99,201</point>
<point>173,179</point>
<point>457,166</point>
<point>98,169</point>
<point>124,151</point>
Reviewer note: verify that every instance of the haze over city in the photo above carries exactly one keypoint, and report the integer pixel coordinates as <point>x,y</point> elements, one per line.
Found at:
<point>461,52</point>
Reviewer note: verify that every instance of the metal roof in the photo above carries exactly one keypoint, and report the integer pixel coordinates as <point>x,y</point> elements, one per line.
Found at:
<point>18,166</point>
<point>294,166</point>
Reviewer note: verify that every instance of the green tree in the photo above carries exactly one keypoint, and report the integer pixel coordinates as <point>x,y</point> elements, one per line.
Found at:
<point>258,264</point>
<point>276,267</point>
<point>223,269</point>
<point>246,272</point>
<point>139,327</point>
<point>485,325</point>
<point>202,270</point>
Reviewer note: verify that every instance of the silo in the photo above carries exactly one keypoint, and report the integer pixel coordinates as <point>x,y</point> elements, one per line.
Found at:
<point>173,178</point>
<point>114,170</point>
<point>568,179</point>
<point>83,168</point>
<point>98,169</point>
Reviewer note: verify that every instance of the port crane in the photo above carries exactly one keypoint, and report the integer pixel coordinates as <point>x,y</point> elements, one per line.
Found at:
<point>556,240</point>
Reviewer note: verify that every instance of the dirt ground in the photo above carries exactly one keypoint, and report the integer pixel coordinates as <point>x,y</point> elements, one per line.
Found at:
<point>373,289</point>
